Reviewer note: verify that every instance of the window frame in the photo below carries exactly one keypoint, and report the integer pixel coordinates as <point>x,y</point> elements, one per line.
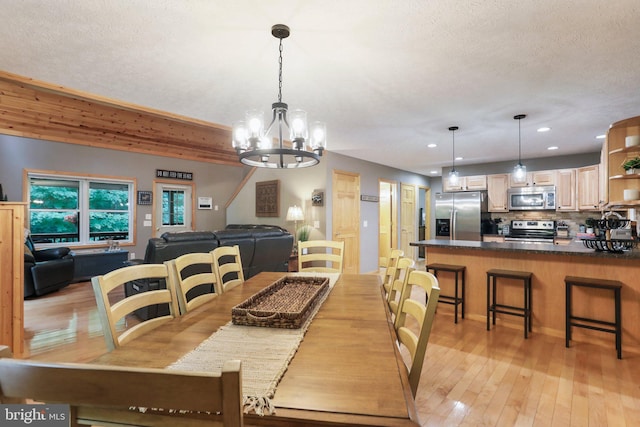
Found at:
<point>84,181</point>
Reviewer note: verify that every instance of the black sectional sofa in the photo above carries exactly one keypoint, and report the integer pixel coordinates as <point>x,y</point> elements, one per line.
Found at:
<point>262,248</point>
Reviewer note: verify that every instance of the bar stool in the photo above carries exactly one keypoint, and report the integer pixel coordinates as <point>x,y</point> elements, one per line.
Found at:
<point>493,307</point>
<point>457,299</point>
<point>590,323</point>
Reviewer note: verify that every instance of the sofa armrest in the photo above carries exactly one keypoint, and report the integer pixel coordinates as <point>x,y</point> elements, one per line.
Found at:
<point>51,254</point>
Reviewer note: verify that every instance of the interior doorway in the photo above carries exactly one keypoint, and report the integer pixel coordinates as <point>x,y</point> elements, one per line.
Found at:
<point>424,217</point>
<point>388,236</point>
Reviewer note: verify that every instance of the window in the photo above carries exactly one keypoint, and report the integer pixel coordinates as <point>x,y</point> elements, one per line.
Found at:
<point>173,207</point>
<point>68,209</point>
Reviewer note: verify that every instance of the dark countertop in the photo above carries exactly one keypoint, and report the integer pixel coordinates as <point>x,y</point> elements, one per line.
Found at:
<point>575,248</point>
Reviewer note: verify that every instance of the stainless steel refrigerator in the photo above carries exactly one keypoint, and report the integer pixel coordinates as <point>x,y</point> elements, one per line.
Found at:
<point>459,215</point>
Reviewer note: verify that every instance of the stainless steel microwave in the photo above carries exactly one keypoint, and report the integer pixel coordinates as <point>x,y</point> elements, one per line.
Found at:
<point>532,198</point>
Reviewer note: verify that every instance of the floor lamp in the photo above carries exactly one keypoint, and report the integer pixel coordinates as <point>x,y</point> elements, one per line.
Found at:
<point>294,213</point>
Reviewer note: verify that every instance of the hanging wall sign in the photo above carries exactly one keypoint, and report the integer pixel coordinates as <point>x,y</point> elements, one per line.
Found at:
<point>161,173</point>
<point>366,198</point>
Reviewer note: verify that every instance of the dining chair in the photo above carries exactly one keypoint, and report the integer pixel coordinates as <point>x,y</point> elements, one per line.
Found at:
<point>323,251</point>
<point>195,279</point>
<point>390,269</point>
<point>402,270</point>
<point>422,314</point>
<point>228,267</point>
<point>111,313</point>
<point>115,395</point>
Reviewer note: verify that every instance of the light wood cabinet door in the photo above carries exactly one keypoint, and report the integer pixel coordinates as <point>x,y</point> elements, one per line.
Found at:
<point>566,190</point>
<point>542,178</point>
<point>476,183</point>
<point>525,183</point>
<point>588,188</point>
<point>497,186</point>
<point>448,187</point>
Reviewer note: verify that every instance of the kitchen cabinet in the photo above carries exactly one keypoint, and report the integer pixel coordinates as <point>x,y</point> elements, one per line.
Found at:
<point>588,188</point>
<point>497,186</point>
<point>566,190</point>
<point>618,153</point>
<point>466,183</point>
<point>535,179</point>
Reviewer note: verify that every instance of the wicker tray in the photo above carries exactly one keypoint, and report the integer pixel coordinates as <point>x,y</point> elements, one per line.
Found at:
<point>286,303</point>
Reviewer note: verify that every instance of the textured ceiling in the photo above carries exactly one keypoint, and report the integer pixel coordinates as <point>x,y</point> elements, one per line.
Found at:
<point>388,77</point>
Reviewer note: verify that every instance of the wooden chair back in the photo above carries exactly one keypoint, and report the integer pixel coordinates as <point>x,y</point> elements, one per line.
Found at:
<point>229,273</point>
<point>109,395</point>
<point>323,251</point>
<point>403,268</point>
<point>422,314</point>
<point>111,313</point>
<point>390,269</point>
<point>187,273</point>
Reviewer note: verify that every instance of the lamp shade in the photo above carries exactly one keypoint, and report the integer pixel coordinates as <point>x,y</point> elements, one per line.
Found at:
<point>294,213</point>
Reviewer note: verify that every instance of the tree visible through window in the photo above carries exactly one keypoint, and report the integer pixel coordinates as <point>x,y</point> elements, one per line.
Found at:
<point>79,210</point>
<point>172,207</point>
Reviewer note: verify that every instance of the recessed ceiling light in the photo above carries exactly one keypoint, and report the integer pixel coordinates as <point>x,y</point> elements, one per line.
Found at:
<point>459,158</point>
<point>601,136</point>
<point>553,147</point>
<point>433,172</point>
<point>544,129</point>
<point>432,145</point>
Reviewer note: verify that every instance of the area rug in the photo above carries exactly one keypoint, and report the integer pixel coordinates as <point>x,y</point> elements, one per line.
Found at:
<point>265,354</point>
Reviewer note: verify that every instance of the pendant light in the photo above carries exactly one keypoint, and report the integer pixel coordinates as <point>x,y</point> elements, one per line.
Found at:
<point>519,171</point>
<point>453,174</point>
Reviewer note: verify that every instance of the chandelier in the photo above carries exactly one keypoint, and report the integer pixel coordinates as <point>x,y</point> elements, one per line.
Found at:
<point>255,145</point>
<point>519,170</point>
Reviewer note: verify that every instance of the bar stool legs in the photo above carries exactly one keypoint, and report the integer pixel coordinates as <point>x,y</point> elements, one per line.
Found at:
<point>614,327</point>
<point>492,305</point>
<point>457,299</point>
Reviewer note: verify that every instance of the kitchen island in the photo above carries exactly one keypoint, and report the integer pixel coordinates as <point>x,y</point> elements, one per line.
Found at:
<point>549,264</point>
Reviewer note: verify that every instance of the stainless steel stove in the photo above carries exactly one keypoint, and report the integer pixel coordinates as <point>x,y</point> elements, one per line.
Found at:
<point>528,231</point>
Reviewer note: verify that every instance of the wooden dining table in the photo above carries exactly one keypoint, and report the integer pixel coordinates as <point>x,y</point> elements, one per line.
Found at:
<point>347,371</point>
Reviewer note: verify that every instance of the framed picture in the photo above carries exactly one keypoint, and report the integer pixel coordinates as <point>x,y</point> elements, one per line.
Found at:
<point>268,198</point>
<point>317,198</point>
<point>145,197</point>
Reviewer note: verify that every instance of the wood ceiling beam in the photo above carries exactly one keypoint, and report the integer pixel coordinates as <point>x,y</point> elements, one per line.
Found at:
<point>35,109</point>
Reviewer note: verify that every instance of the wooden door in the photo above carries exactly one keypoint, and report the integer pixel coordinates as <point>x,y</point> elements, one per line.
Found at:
<point>346,217</point>
<point>388,207</point>
<point>12,216</point>
<point>173,207</point>
<point>408,219</point>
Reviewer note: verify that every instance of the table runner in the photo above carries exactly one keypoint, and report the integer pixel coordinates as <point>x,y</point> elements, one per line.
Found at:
<point>265,354</point>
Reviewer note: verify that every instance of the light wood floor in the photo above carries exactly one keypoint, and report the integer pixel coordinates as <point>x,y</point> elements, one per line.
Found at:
<point>471,377</point>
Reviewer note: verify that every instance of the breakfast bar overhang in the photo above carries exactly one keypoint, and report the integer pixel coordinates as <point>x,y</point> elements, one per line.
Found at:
<point>550,264</point>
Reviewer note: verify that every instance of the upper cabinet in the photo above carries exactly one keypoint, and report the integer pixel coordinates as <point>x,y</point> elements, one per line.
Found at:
<point>623,141</point>
<point>497,186</point>
<point>466,183</point>
<point>589,188</point>
<point>566,190</point>
<point>535,179</point>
